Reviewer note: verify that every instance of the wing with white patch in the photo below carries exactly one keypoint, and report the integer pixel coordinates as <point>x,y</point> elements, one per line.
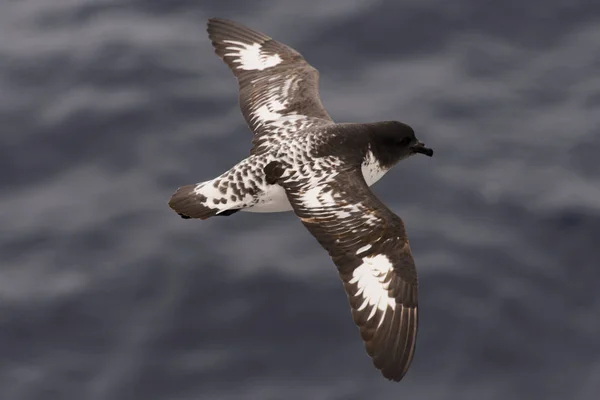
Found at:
<point>278,89</point>
<point>368,244</point>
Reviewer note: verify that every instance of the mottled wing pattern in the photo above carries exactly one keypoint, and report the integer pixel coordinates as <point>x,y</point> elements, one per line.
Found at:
<point>368,244</point>
<point>278,89</point>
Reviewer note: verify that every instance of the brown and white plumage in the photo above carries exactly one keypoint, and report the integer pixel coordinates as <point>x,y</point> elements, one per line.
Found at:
<point>278,89</point>
<point>302,161</point>
<point>368,244</point>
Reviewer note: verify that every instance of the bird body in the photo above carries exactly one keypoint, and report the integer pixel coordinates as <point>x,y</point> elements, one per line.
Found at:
<point>302,161</point>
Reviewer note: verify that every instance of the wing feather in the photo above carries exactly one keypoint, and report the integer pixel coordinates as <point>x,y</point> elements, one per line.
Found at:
<point>278,89</point>
<point>368,244</point>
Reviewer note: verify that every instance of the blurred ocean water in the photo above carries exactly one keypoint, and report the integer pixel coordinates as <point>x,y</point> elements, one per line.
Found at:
<point>106,107</point>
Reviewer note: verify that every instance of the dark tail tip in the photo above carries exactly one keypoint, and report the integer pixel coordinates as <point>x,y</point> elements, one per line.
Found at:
<point>189,204</point>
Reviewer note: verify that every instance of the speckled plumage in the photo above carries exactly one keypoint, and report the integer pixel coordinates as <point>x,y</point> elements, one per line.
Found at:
<point>302,161</point>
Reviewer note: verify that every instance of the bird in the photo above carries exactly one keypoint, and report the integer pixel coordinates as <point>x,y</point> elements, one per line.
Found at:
<point>302,161</point>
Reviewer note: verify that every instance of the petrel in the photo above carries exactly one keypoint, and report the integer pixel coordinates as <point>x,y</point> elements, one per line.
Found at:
<point>302,161</point>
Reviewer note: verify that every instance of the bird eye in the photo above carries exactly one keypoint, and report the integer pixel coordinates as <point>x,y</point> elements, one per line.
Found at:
<point>405,141</point>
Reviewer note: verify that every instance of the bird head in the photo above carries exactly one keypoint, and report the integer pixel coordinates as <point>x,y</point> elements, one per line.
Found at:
<point>393,141</point>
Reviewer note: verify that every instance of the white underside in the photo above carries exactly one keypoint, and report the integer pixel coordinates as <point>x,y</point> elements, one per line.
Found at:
<point>274,198</point>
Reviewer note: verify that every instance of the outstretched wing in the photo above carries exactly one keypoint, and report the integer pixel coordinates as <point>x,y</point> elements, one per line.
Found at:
<point>368,244</point>
<point>278,89</point>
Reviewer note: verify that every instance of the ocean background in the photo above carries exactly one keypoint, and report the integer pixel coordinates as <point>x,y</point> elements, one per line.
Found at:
<point>107,106</point>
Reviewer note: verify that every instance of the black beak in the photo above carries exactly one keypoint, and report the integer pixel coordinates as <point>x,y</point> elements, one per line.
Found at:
<point>420,148</point>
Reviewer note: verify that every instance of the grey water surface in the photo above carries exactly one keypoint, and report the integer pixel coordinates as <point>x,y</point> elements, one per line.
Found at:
<point>107,106</point>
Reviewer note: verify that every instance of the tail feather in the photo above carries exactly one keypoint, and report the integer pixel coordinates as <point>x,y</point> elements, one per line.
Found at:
<point>190,202</point>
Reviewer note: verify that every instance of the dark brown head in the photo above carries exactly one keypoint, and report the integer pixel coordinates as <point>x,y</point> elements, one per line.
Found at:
<point>392,141</point>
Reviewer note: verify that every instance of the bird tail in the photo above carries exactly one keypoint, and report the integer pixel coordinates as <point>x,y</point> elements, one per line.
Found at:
<point>202,200</point>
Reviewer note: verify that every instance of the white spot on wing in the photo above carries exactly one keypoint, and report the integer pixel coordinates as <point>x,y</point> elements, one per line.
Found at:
<point>269,108</point>
<point>286,88</point>
<point>342,214</point>
<point>363,249</point>
<point>369,278</point>
<point>316,198</point>
<point>310,199</point>
<point>267,112</point>
<point>327,199</point>
<point>251,56</point>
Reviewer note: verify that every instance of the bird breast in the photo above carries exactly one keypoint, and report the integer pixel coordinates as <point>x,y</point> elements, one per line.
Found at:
<point>371,169</point>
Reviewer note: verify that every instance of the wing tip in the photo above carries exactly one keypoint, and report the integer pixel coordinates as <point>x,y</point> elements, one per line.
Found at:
<point>392,357</point>
<point>391,342</point>
<point>222,28</point>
